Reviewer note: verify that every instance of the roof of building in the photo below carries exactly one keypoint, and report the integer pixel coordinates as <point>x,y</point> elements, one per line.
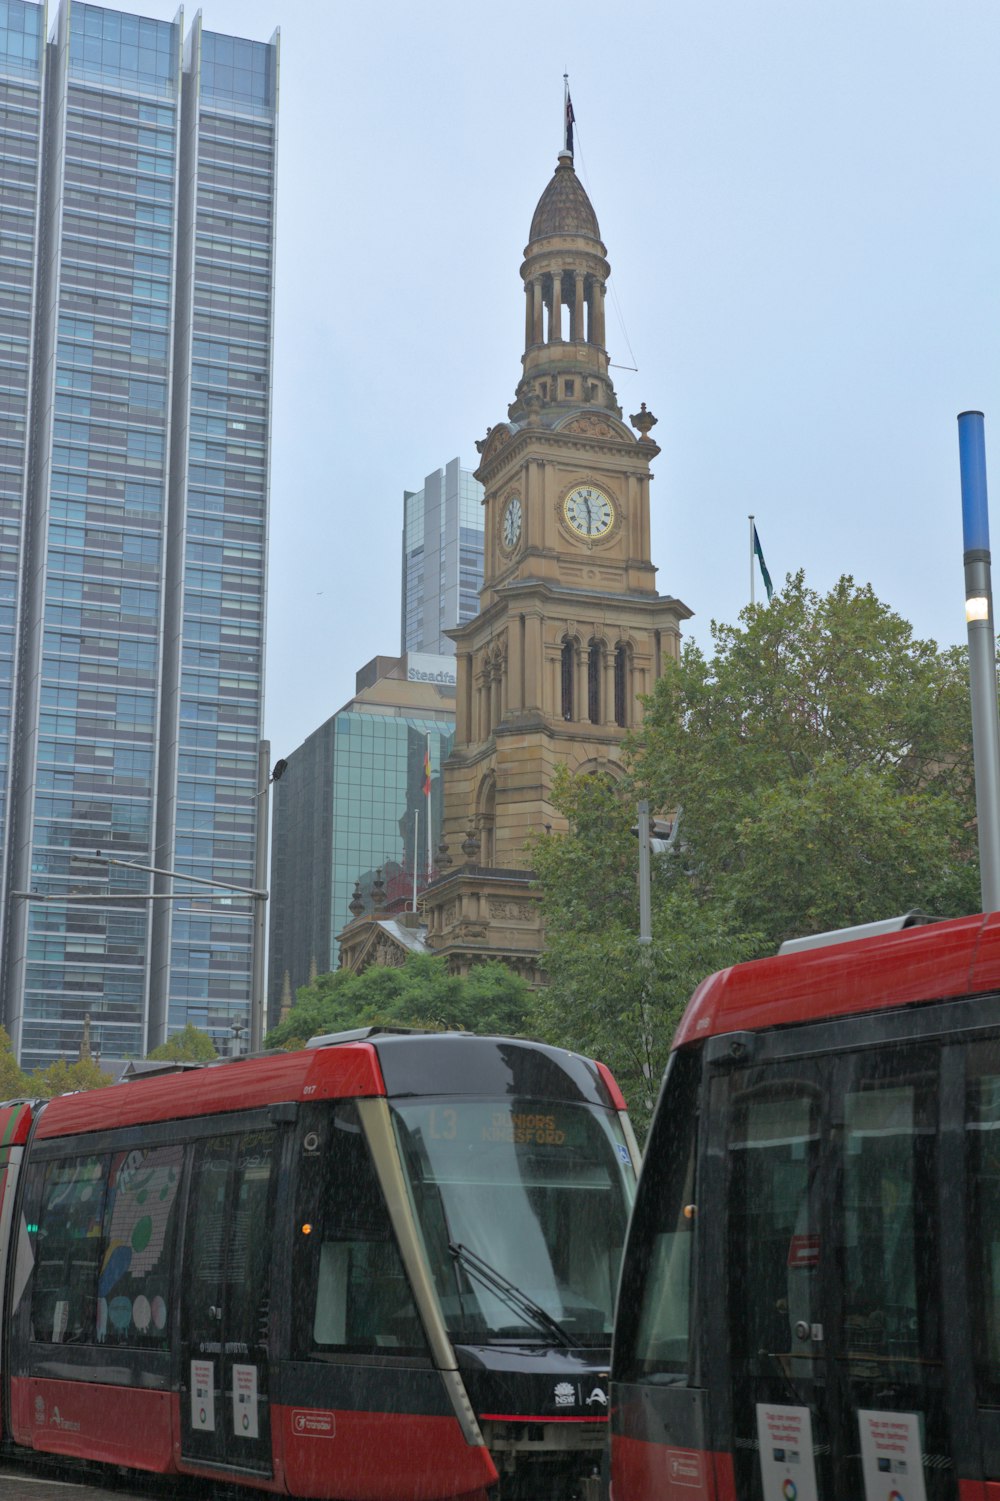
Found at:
<point>564,208</point>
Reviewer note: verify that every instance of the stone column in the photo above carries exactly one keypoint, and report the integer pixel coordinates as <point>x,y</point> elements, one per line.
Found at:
<point>597,314</point>
<point>608,706</point>
<point>537,312</point>
<point>529,312</point>
<point>515,668</point>
<point>555,321</point>
<point>533,664</point>
<point>577,329</point>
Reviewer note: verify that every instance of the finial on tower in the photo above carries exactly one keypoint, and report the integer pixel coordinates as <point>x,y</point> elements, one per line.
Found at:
<point>568,117</point>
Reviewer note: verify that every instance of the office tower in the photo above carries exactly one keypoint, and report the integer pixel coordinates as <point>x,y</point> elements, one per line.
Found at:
<point>352,802</point>
<point>442,558</point>
<point>137,214</point>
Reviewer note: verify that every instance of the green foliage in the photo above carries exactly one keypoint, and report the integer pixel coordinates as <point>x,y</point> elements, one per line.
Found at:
<point>823,765</point>
<point>822,768</point>
<point>13,1083</point>
<point>190,1045</point>
<point>63,1078</point>
<point>59,1078</point>
<point>420,993</point>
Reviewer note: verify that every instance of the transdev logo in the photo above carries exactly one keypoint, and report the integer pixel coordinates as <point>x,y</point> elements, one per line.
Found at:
<point>789,1490</point>
<point>308,1422</point>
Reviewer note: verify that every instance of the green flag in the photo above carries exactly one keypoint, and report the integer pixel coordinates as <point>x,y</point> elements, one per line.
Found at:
<point>763,566</point>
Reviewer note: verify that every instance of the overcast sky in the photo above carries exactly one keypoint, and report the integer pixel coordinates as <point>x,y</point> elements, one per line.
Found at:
<point>801,204</point>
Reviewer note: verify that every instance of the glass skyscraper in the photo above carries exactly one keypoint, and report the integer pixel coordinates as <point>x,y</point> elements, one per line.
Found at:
<point>344,809</point>
<point>136,259</point>
<point>442,558</point>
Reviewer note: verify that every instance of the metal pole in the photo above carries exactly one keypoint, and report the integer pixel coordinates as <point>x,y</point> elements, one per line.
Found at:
<point>751,521</point>
<point>645,917</point>
<point>645,949</point>
<point>982,652</point>
<point>260,898</point>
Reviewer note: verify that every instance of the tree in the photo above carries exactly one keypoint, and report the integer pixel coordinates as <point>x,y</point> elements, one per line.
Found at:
<point>62,1077</point>
<point>190,1045</point>
<point>822,762</point>
<point>820,766</point>
<point>420,993</point>
<point>13,1083</point>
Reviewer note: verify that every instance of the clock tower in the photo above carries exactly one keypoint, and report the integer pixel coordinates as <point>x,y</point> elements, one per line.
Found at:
<point>571,631</point>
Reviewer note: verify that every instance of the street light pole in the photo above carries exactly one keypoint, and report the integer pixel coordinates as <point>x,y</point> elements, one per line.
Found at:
<point>260,907</point>
<point>265,776</point>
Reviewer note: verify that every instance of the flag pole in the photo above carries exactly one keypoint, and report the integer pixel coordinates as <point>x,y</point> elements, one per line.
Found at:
<point>430,840</point>
<point>751,521</point>
<point>416,847</point>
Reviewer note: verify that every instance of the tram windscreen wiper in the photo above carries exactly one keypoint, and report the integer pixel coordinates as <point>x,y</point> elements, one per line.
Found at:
<point>511,1293</point>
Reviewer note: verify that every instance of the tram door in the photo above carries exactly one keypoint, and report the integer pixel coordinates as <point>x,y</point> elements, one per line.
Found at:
<point>226,1290</point>
<point>835,1368</point>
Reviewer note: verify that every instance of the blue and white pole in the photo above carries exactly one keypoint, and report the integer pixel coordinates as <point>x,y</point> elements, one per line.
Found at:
<point>982,651</point>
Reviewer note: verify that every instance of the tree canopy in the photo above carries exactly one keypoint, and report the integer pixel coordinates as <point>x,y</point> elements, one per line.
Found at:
<point>190,1045</point>
<point>420,993</point>
<point>819,765</point>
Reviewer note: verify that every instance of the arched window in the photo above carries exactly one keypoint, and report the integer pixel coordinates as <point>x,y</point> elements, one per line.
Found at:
<point>486,815</point>
<point>595,664</point>
<point>568,666</point>
<point>621,685</point>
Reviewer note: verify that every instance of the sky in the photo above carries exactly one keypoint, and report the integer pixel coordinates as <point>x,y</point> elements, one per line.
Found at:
<point>801,205</point>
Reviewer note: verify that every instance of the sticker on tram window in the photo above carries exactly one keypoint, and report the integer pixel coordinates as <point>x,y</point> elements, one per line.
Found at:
<point>245,1401</point>
<point>891,1457</point>
<point>803,1250</point>
<point>203,1396</point>
<point>787,1463</point>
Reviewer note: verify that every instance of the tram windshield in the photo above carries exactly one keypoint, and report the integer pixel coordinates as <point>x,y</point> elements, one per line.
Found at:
<point>523,1206</point>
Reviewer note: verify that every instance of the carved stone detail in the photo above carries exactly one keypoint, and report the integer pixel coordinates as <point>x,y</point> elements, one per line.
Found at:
<point>590,426</point>
<point>511,911</point>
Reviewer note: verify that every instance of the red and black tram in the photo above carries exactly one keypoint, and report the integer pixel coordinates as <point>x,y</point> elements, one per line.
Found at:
<point>382,1267</point>
<point>810,1297</point>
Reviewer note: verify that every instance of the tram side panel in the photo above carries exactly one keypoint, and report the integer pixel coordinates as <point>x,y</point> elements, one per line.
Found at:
<point>15,1123</point>
<point>176,1312</point>
<point>91,1303</point>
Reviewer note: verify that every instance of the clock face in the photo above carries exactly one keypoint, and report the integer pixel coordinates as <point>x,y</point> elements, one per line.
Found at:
<point>510,528</point>
<point>589,511</point>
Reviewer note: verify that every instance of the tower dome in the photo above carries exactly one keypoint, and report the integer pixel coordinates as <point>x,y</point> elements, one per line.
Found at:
<point>564,208</point>
<point>565,274</point>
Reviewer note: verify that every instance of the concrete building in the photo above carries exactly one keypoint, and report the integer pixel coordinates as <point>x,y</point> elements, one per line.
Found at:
<point>442,558</point>
<point>344,814</point>
<point>136,259</point>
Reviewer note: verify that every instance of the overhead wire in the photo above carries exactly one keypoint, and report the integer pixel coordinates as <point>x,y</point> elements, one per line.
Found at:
<point>578,149</point>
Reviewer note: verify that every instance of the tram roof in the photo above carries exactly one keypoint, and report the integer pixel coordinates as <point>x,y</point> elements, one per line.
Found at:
<point>394,1064</point>
<point>939,961</point>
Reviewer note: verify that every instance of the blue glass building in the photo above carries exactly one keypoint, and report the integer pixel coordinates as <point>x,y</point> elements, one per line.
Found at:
<point>345,808</point>
<point>136,261</point>
<point>442,558</point>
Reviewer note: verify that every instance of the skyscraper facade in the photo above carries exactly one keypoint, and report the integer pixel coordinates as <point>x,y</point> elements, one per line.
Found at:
<point>136,261</point>
<point>354,800</point>
<point>442,558</point>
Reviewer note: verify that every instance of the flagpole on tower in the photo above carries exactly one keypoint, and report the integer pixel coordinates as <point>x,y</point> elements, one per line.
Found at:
<point>568,116</point>
<point>753,560</point>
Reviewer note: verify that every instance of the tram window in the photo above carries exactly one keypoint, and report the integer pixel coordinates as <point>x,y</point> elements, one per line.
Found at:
<point>133,1289</point>
<point>655,1339</point>
<point>888,1247</point>
<point>353,1290</point>
<point>983,1152</point>
<point>64,1296</point>
<point>773,1218</point>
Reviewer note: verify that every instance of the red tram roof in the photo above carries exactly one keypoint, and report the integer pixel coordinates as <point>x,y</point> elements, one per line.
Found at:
<point>938,962</point>
<point>347,1071</point>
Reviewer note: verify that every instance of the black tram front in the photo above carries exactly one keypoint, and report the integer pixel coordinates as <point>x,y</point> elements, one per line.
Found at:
<point>518,1174</point>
